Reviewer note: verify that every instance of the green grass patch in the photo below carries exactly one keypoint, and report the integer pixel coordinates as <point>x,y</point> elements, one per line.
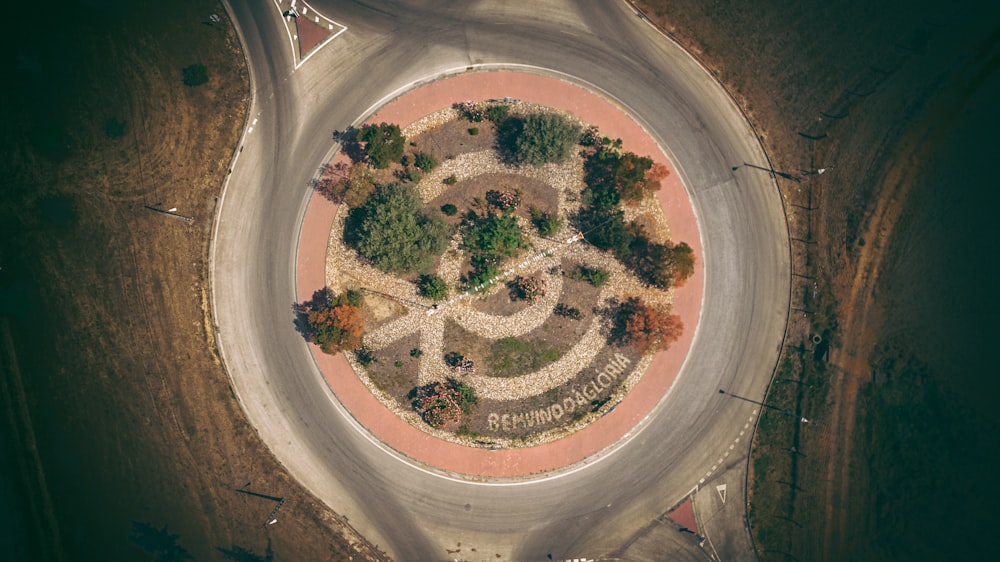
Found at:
<point>511,357</point>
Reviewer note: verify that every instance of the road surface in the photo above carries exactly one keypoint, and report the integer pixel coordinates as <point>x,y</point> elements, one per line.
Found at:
<point>416,514</point>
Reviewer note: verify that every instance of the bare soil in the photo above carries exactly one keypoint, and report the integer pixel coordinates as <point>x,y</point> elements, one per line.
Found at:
<point>117,410</point>
<point>889,94</point>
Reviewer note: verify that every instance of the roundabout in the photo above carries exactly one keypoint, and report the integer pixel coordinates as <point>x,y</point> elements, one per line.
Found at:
<point>505,458</point>
<point>669,445</point>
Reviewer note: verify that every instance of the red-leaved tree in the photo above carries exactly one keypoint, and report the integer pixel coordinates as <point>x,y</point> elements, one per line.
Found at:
<point>644,327</point>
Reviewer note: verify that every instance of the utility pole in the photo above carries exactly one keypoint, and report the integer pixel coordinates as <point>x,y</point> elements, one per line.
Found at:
<point>782,410</point>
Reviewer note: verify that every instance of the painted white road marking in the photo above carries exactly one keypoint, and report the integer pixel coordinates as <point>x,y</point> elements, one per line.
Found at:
<point>722,492</point>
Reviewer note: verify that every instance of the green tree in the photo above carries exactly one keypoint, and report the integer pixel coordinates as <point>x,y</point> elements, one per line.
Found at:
<point>384,144</point>
<point>683,263</point>
<point>605,228</point>
<point>496,236</point>
<point>392,231</point>
<point>433,287</point>
<point>545,138</point>
<point>337,327</point>
<point>546,223</point>
<point>425,161</point>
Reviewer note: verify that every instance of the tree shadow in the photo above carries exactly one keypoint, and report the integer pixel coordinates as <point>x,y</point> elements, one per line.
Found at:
<point>158,542</point>
<point>239,554</point>
<point>320,299</point>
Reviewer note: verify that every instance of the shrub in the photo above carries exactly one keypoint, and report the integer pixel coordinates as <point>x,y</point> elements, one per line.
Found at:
<point>384,144</point>
<point>595,276</point>
<point>425,161</point>
<point>503,201</point>
<point>567,311</point>
<point>442,403</point>
<point>473,111</point>
<point>546,223</point>
<point>473,131</point>
<point>495,237</point>
<point>497,113</point>
<point>459,362</point>
<point>364,356</point>
<point>393,232</point>
<point>416,352</point>
<point>528,288</point>
<point>483,274</point>
<point>195,75</point>
<point>544,138</point>
<point>449,209</point>
<point>433,287</point>
<point>450,180</point>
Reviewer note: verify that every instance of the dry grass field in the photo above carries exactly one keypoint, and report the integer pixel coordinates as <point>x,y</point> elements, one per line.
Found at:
<point>894,263</point>
<point>119,420</point>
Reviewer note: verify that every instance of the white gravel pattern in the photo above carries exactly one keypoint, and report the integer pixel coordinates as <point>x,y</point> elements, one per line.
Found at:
<point>345,270</point>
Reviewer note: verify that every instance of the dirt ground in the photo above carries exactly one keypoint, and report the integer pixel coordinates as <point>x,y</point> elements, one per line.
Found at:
<point>890,251</point>
<point>118,414</point>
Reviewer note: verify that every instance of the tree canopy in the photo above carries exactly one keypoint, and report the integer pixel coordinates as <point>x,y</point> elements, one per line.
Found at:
<point>384,144</point>
<point>539,138</point>
<point>392,231</point>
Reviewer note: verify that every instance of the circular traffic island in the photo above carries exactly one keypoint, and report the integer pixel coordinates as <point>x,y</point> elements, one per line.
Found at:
<point>499,276</point>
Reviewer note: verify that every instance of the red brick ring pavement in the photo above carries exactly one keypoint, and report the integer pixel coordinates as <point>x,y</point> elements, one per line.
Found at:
<point>598,437</point>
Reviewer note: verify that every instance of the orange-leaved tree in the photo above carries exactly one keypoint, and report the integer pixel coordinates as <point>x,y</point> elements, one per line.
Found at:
<point>645,327</point>
<point>337,325</point>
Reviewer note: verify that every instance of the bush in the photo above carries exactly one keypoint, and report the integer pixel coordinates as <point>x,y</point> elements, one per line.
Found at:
<point>495,237</point>
<point>433,287</point>
<point>528,288</point>
<point>195,75</point>
<point>612,176</point>
<point>442,403</point>
<point>425,161</point>
<point>483,274</point>
<point>497,113</point>
<point>449,210</point>
<point>595,276</point>
<point>546,223</point>
<point>544,138</point>
<point>567,311</point>
<point>473,131</point>
<point>364,356</point>
<point>353,190</point>
<point>503,201</point>
<point>384,144</point>
<point>450,180</point>
<point>393,232</point>
<point>473,111</point>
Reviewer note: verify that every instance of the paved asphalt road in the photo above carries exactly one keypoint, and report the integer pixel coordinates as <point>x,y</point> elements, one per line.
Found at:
<point>415,514</point>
